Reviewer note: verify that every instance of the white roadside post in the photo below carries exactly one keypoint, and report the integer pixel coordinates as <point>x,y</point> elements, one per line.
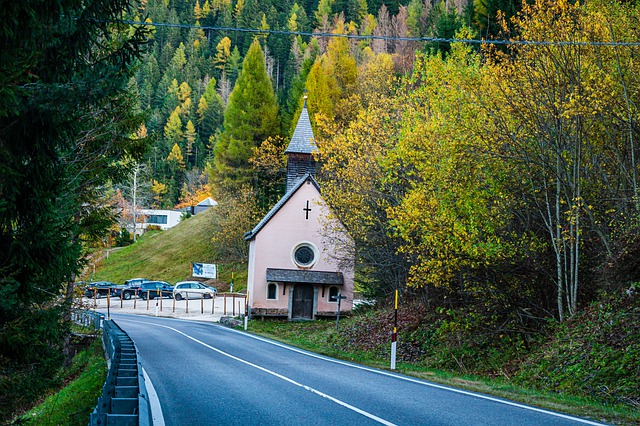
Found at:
<point>246,311</point>
<point>394,336</point>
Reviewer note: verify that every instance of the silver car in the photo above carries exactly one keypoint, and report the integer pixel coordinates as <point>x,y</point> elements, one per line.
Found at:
<point>192,290</point>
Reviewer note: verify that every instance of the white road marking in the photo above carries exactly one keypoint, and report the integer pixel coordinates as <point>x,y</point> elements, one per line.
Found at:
<point>280,376</point>
<point>420,382</point>
<point>157,419</point>
<point>389,374</point>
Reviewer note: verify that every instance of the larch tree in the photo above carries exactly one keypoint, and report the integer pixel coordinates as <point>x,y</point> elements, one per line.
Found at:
<point>250,118</point>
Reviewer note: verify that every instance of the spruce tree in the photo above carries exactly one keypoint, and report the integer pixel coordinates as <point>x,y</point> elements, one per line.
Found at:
<point>251,117</point>
<point>66,120</point>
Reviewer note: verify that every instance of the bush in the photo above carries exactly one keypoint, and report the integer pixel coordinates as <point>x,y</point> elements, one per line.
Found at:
<point>124,238</point>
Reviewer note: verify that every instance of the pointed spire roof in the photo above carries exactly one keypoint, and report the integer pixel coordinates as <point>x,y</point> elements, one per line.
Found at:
<point>303,141</point>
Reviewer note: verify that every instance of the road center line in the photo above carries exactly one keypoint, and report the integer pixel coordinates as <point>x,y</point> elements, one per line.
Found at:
<point>280,376</point>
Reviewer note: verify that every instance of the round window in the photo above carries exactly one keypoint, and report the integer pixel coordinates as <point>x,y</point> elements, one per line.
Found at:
<point>304,255</point>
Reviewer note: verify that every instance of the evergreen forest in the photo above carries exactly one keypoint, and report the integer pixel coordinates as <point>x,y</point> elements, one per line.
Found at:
<point>482,154</point>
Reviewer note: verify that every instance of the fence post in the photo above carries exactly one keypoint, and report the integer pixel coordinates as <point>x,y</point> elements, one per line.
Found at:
<point>213,303</point>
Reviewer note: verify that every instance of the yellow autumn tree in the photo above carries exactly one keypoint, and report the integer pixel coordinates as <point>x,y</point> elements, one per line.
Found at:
<point>454,207</point>
<point>561,111</point>
<point>355,186</point>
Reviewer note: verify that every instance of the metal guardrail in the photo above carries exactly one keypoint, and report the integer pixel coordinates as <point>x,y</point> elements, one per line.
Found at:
<point>124,399</point>
<point>88,318</point>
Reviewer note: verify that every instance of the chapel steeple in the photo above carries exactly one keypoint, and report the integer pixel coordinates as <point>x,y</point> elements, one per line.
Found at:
<point>300,161</point>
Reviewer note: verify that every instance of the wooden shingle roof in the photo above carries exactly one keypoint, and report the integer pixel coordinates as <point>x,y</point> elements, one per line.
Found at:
<point>303,141</point>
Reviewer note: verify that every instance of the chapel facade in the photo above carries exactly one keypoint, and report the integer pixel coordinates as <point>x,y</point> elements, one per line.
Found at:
<point>291,271</point>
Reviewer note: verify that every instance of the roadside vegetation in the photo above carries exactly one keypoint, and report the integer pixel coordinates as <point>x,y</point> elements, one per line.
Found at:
<point>77,392</point>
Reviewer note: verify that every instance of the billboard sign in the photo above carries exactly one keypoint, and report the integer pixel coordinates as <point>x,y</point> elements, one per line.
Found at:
<point>205,270</point>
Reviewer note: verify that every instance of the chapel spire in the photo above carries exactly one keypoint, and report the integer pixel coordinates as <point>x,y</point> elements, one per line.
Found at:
<point>300,161</point>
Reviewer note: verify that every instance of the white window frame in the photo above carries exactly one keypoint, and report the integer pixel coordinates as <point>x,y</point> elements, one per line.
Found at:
<point>329,294</point>
<point>277,290</point>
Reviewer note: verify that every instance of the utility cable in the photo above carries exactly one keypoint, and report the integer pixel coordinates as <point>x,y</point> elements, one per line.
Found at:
<point>380,37</point>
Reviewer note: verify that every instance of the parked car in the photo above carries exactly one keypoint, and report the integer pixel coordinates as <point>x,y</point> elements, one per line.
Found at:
<point>100,289</point>
<point>131,287</point>
<point>192,290</point>
<point>116,290</point>
<point>153,289</point>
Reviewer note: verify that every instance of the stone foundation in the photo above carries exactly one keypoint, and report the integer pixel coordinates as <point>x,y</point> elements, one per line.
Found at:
<point>269,312</point>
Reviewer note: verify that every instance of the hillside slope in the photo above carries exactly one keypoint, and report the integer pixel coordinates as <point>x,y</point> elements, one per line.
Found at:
<point>167,255</point>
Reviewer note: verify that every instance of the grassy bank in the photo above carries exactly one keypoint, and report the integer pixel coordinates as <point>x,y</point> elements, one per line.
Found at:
<point>167,255</point>
<point>72,405</point>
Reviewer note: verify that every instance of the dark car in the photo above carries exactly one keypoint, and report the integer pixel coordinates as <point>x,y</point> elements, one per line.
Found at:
<point>116,290</point>
<point>100,289</point>
<point>153,289</point>
<point>131,286</point>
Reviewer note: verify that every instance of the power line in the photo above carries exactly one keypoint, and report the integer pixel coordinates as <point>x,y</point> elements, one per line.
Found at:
<point>388,38</point>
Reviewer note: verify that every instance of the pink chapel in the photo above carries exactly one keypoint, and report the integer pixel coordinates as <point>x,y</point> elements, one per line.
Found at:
<point>293,269</point>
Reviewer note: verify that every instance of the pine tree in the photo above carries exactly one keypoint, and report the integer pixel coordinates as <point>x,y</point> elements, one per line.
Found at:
<point>251,117</point>
<point>210,112</point>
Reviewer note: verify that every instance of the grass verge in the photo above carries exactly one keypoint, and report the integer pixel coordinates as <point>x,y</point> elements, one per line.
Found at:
<point>73,404</point>
<point>318,336</point>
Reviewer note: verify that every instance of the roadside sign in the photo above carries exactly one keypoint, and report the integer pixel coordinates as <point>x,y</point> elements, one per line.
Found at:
<point>204,270</point>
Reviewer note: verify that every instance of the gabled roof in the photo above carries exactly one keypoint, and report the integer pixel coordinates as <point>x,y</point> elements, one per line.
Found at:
<point>208,202</point>
<point>308,177</point>
<point>303,141</point>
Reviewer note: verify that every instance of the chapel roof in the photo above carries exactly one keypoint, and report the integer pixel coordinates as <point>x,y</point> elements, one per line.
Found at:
<point>303,141</point>
<point>251,234</point>
<point>208,202</point>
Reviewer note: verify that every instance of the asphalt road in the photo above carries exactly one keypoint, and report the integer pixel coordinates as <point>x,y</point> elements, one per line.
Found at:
<point>207,374</point>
